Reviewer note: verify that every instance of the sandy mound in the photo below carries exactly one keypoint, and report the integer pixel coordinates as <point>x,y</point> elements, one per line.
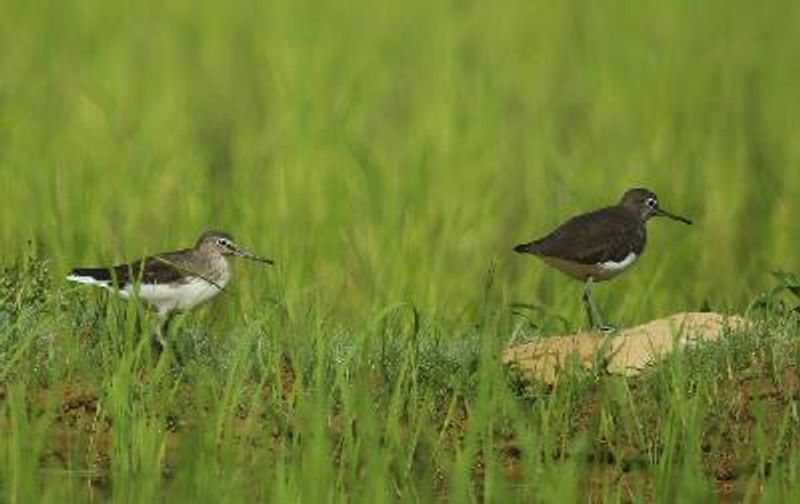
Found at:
<point>625,352</point>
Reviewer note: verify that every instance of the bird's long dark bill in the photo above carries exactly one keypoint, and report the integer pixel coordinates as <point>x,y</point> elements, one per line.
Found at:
<point>253,257</point>
<point>664,213</point>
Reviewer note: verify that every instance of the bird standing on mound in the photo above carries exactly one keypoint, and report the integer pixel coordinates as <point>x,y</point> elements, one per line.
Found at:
<point>599,245</point>
<point>172,281</point>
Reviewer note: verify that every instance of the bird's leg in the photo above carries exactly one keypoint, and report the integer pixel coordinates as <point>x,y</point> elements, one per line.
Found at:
<point>595,319</point>
<point>163,338</point>
<point>159,343</point>
<point>587,302</point>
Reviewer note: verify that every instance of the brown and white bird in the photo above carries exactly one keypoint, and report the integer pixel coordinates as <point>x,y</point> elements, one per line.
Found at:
<point>172,282</point>
<point>599,245</point>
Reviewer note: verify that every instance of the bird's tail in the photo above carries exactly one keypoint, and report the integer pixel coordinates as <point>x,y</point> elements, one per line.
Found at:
<point>525,248</point>
<point>91,276</point>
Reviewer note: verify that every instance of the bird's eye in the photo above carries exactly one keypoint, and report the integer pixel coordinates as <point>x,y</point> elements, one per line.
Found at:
<point>651,202</point>
<point>222,242</point>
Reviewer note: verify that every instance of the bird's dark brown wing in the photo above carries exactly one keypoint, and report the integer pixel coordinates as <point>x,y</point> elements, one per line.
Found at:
<point>609,234</point>
<point>159,269</point>
<point>164,268</point>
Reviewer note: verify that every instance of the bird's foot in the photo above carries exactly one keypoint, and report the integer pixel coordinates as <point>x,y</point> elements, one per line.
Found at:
<point>607,328</point>
<point>596,323</point>
<point>157,347</point>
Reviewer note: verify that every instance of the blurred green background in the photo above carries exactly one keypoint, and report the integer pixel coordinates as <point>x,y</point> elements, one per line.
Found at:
<point>396,151</point>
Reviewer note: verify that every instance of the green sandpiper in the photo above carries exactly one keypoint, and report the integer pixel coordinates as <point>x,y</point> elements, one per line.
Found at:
<point>172,282</point>
<point>599,245</point>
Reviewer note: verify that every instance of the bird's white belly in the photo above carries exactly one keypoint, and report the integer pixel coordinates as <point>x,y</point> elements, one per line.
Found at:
<point>598,272</point>
<point>611,269</point>
<point>177,296</point>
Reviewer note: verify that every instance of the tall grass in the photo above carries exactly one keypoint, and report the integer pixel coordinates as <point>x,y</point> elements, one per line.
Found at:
<point>387,153</point>
<point>388,156</point>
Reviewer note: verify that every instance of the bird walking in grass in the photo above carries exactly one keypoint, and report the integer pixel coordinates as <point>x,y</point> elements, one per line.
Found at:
<point>599,245</point>
<point>172,282</point>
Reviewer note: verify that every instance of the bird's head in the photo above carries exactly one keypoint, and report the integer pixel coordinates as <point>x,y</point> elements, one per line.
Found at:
<point>644,203</point>
<point>221,243</point>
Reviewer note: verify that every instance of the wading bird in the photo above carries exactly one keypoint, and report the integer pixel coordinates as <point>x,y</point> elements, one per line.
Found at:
<point>599,245</point>
<point>172,282</point>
